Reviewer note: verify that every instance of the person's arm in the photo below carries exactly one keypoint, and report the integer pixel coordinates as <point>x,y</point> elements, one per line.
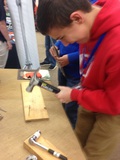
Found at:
<point>105,100</point>
<point>71,56</point>
<point>102,100</point>
<point>4,31</point>
<point>74,56</point>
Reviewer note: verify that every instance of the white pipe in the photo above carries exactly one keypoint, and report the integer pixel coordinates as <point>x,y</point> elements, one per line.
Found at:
<point>28,44</point>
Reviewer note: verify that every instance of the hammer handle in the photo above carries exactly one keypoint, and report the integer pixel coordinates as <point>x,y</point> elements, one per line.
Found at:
<point>56,154</point>
<point>48,86</point>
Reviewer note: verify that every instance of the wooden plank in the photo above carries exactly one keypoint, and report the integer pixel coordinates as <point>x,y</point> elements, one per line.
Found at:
<point>39,152</point>
<point>33,103</point>
<point>1,117</point>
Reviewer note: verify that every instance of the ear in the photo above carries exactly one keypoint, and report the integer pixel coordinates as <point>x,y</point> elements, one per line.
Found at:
<point>77,16</point>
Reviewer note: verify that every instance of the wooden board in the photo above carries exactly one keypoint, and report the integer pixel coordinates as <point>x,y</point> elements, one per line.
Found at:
<point>39,152</point>
<point>33,103</point>
<point>1,117</point>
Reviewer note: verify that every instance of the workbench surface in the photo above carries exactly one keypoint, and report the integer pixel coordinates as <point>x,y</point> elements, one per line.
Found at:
<point>14,130</point>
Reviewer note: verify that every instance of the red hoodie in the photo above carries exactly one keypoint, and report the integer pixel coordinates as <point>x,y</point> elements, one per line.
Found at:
<point>101,86</point>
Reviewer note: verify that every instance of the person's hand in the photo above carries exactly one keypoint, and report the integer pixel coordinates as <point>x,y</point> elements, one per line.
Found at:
<point>9,45</point>
<point>64,94</point>
<point>53,51</point>
<point>63,61</point>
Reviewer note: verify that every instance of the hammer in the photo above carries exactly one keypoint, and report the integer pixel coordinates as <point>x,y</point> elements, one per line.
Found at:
<point>41,83</point>
<point>32,141</point>
<point>57,54</point>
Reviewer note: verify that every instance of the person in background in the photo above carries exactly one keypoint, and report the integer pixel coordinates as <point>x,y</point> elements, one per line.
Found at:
<point>97,29</point>
<point>49,60</point>
<point>5,44</point>
<point>5,5</point>
<point>69,61</point>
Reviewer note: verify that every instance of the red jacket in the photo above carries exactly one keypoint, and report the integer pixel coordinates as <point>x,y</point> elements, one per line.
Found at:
<point>101,86</point>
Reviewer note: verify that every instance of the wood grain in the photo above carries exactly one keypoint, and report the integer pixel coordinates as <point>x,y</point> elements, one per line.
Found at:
<point>33,103</point>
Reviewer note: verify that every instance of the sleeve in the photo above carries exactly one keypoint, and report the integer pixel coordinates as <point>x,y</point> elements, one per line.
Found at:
<point>101,84</point>
<point>74,55</point>
<point>105,100</point>
<point>57,44</point>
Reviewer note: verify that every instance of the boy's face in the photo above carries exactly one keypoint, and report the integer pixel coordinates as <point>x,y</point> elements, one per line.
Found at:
<point>75,32</point>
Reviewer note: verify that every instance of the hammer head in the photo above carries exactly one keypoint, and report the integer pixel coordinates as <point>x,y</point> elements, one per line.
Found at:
<point>33,81</point>
<point>35,136</point>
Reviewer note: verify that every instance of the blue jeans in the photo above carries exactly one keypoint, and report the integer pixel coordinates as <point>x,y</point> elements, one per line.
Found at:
<point>72,107</point>
<point>49,58</point>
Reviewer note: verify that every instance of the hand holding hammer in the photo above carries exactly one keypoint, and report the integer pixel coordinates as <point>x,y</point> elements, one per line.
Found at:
<point>35,81</point>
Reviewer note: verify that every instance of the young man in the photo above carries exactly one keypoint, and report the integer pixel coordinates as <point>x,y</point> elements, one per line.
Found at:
<point>97,29</point>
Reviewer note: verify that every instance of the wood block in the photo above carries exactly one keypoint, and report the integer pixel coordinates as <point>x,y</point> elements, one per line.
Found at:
<point>39,152</point>
<point>1,117</point>
<point>33,103</point>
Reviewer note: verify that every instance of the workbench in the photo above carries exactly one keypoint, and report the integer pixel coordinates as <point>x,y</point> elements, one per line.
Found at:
<point>14,129</point>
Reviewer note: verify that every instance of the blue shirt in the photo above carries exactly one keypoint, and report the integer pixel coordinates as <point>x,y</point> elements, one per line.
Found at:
<point>92,1</point>
<point>72,50</point>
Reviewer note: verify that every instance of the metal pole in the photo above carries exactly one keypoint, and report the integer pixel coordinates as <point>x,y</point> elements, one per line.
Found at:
<point>28,62</point>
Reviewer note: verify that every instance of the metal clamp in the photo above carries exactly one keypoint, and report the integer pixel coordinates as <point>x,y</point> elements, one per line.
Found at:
<point>31,157</point>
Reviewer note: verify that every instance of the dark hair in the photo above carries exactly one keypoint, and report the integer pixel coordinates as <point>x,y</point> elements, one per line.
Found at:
<point>56,13</point>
